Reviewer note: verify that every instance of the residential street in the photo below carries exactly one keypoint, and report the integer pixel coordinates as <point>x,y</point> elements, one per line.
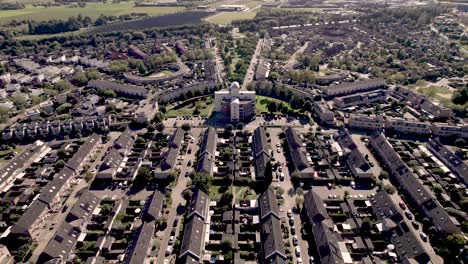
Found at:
<point>253,63</point>
<point>178,201</point>
<point>289,197</point>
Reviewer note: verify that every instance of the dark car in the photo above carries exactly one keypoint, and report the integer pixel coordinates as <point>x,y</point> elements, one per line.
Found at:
<point>176,221</point>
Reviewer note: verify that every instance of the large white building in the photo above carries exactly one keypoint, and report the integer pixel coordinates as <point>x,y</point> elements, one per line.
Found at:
<point>237,105</point>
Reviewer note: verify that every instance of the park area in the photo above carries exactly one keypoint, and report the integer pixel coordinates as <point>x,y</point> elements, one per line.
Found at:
<point>264,104</point>
<point>200,107</point>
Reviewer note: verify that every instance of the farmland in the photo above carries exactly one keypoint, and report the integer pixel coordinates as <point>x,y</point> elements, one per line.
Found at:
<point>183,18</point>
<point>93,10</point>
<point>226,18</point>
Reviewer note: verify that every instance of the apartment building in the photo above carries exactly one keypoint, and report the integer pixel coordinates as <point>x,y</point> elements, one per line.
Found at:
<point>354,87</point>
<point>235,104</point>
<point>364,122</point>
<point>403,126</point>
<point>324,114</point>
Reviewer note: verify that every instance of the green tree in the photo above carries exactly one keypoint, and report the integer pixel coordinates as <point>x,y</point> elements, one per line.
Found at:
<point>272,107</point>
<point>80,79</point>
<point>202,181</point>
<point>390,189</point>
<point>143,177</point>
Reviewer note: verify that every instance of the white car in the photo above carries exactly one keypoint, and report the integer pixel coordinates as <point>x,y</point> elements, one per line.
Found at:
<point>289,213</point>
<point>299,260</point>
<point>297,250</point>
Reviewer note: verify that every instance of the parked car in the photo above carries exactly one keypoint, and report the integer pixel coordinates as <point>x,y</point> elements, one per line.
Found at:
<point>409,215</point>
<point>311,260</point>
<point>291,221</point>
<point>176,221</point>
<point>423,236</point>
<point>402,205</point>
<point>293,230</point>
<point>289,213</point>
<point>171,240</point>
<point>295,240</point>
<point>415,225</point>
<point>299,260</point>
<point>169,250</point>
<point>297,250</point>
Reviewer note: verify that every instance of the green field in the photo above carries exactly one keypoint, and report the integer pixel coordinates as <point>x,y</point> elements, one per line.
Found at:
<point>261,104</point>
<point>92,10</point>
<point>205,105</point>
<point>226,18</point>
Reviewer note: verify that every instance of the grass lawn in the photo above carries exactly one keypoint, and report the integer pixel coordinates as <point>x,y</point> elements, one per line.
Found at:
<point>93,10</point>
<point>3,153</point>
<point>226,18</point>
<point>438,93</point>
<point>261,104</point>
<point>204,105</point>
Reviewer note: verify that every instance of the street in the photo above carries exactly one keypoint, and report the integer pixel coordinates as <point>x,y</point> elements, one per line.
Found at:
<point>253,62</point>
<point>289,197</point>
<point>177,200</point>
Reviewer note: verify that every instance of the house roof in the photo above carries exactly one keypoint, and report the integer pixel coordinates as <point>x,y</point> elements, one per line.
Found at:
<point>198,205</point>
<point>76,161</point>
<point>176,138</point>
<point>29,217</point>
<point>261,162</point>
<point>84,207</point>
<point>125,141</point>
<point>267,205</point>
<point>205,164</point>
<point>139,246</point>
<point>54,187</point>
<point>155,206</point>
<point>272,239</point>
<point>260,143</point>
<point>322,228</point>
<point>208,144</point>
<point>62,243</point>
<point>192,239</point>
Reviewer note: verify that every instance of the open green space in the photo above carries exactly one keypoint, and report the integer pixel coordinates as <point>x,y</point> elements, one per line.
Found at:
<point>226,18</point>
<point>4,153</point>
<point>93,10</point>
<point>262,102</point>
<point>201,107</point>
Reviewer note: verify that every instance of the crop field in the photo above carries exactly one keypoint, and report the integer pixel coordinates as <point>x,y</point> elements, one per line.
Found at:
<point>183,18</point>
<point>92,10</point>
<point>226,18</point>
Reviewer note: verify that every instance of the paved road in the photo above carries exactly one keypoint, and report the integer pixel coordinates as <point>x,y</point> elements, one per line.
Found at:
<point>289,196</point>
<point>253,62</point>
<point>177,199</point>
<point>219,65</point>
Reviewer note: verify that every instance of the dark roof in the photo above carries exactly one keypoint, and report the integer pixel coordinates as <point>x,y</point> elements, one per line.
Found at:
<point>295,149</point>
<point>54,187</point>
<point>113,159</point>
<point>272,239</point>
<point>176,138</point>
<point>61,244</point>
<point>155,206</point>
<point>294,141</point>
<point>125,141</point>
<point>205,164</point>
<point>83,208</point>
<point>192,239</point>
<point>170,158</point>
<point>411,186</point>
<point>198,205</point>
<point>267,205</point>
<point>76,161</point>
<point>354,158</point>
<point>10,169</point>
<point>260,143</point>
<point>384,208</point>
<point>261,162</point>
<point>314,207</point>
<point>208,144</point>
<point>140,244</point>
<point>322,229</point>
<point>450,159</point>
<point>29,217</point>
